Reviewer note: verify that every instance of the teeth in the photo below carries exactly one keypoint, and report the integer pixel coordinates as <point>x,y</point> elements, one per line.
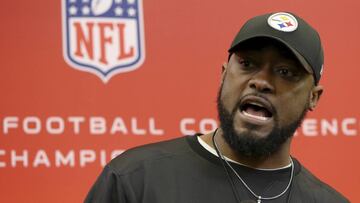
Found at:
<point>256,104</point>
<point>256,117</point>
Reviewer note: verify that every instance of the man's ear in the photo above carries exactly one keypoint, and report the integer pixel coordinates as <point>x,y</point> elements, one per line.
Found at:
<point>315,95</point>
<point>223,70</point>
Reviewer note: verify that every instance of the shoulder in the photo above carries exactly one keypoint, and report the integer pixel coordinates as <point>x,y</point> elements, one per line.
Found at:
<point>127,176</point>
<point>317,189</point>
<point>142,156</point>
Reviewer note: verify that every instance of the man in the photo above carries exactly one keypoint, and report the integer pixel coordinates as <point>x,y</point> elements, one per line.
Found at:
<point>270,81</point>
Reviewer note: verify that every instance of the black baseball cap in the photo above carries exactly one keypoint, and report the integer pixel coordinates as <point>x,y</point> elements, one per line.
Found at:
<point>291,30</point>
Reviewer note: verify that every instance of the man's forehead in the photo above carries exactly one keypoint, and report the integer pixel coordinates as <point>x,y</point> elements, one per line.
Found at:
<point>261,43</point>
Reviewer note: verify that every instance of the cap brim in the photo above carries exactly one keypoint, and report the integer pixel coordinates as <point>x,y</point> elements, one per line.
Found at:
<point>301,59</point>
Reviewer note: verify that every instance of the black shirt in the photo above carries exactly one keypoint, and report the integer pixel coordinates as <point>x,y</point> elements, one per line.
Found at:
<point>181,170</point>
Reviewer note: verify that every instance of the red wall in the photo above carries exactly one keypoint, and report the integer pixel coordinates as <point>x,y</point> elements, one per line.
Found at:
<point>172,92</point>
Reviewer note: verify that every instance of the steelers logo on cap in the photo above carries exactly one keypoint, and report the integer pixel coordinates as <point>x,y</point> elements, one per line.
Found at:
<point>283,21</point>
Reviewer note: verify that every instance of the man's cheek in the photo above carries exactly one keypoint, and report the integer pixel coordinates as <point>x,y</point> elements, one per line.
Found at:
<point>228,101</point>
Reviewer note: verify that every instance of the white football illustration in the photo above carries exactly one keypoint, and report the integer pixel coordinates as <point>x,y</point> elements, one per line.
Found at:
<point>99,7</point>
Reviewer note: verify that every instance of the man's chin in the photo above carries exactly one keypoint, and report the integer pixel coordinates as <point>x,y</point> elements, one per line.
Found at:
<point>250,143</point>
<point>257,143</point>
<point>254,140</point>
<point>254,132</point>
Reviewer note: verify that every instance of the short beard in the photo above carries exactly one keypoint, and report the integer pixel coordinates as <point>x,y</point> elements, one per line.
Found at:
<point>249,145</point>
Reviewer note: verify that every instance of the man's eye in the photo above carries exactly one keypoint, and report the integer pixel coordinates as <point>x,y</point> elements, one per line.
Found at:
<point>285,72</point>
<point>245,63</point>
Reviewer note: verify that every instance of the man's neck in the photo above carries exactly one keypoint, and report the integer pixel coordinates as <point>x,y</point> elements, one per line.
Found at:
<point>279,159</point>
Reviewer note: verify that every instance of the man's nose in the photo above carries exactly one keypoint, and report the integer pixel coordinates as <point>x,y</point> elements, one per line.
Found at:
<point>262,82</point>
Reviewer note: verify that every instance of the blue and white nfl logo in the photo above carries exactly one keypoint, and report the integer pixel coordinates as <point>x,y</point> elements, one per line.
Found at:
<point>103,37</point>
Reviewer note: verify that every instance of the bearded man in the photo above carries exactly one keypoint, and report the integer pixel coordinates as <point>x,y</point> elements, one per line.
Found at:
<point>270,81</point>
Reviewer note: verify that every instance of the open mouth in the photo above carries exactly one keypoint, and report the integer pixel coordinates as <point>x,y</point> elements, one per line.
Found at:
<point>256,109</point>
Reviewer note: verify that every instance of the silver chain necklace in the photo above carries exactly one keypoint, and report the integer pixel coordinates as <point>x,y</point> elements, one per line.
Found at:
<point>258,197</point>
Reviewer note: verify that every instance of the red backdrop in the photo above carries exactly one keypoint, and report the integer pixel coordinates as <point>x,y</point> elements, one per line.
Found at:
<point>60,125</point>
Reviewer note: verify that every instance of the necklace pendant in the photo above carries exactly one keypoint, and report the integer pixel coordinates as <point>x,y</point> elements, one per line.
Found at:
<point>259,200</point>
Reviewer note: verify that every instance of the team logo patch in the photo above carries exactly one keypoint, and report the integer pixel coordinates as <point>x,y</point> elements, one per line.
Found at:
<point>103,37</point>
<point>283,21</point>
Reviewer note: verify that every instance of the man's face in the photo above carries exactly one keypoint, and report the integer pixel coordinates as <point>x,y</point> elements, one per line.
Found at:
<point>263,98</point>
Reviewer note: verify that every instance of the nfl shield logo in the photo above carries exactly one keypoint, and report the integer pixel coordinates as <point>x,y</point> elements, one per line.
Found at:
<point>103,37</point>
